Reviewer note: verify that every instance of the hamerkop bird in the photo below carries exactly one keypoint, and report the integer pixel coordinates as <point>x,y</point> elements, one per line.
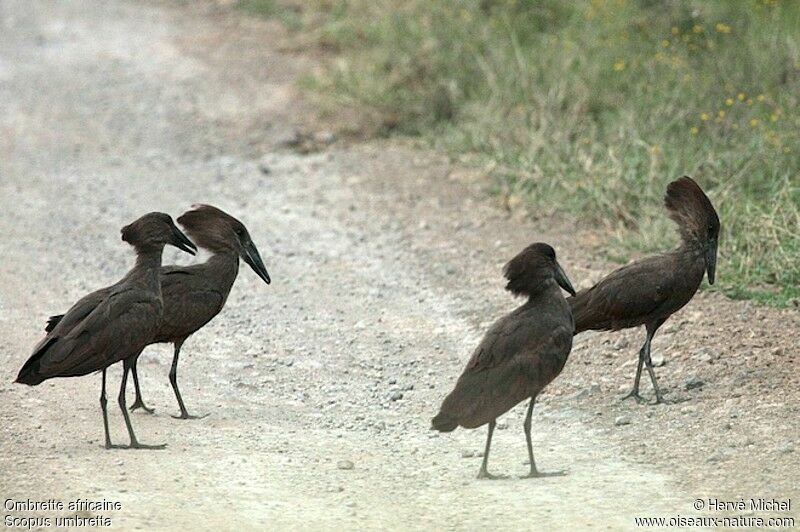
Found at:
<point>113,324</point>
<point>193,295</point>
<point>520,355</point>
<point>650,290</point>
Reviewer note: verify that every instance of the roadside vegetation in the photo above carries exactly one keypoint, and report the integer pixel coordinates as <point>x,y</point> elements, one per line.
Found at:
<point>590,108</point>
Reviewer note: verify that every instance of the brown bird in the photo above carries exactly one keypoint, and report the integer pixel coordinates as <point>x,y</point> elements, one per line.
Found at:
<point>520,355</point>
<point>650,290</point>
<point>112,324</point>
<point>194,295</point>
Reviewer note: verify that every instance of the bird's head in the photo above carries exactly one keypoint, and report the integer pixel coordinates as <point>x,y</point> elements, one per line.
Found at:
<point>698,222</point>
<point>219,232</point>
<point>155,230</point>
<point>531,270</point>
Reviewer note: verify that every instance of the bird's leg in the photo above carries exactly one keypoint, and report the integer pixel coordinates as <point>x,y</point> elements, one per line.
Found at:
<point>635,391</point>
<point>126,365</point>
<point>651,331</point>
<point>173,379</point>
<point>527,426</point>
<point>103,403</point>
<point>138,403</point>
<point>483,473</point>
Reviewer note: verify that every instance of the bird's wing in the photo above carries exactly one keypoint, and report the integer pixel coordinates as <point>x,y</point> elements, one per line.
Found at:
<point>189,303</point>
<point>118,326</point>
<point>516,359</point>
<point>78,311</point>
<point>623,298</point>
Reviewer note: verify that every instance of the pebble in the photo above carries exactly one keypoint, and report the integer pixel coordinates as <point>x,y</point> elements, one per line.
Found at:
<point>396,396</point>
<point>467,454</point>
<point>694,382</point>
<point>704,355</point>
<point>621,343</point>
<point>622,420</point>
<point>345,465</point>
<point>657,359</point>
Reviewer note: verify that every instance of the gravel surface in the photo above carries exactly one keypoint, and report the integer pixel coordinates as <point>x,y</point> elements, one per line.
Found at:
<point>386,270</point>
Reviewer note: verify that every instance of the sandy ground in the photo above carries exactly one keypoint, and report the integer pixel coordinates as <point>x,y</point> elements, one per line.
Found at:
<point>386,269</point>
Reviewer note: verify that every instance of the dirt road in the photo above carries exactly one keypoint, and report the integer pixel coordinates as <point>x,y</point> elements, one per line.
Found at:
<point>385,266</point>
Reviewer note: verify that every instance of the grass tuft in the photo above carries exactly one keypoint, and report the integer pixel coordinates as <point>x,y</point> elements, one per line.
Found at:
<point>592,107</point>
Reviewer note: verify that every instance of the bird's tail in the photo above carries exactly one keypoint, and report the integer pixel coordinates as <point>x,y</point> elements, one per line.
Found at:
<point>30,373</point>
<point>444,423</point>
<point>580,311</point>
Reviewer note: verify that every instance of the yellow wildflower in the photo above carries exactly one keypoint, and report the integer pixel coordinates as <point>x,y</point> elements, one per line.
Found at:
<point>723,28</point>
<point>721,113</point>
<point>619,67</point>
<point>697,28</point>
<point>675,30</point>
<point>773,117</point>
<point>695,130</point>
<point>705,117</point>
<point>728,101</point>
<point>665,43</point>
<point>740,96</point>
<point>754,122</point>
<point>761,98</point>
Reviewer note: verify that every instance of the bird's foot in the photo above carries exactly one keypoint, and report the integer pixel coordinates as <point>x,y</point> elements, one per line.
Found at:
<point>140,404</point>
<point>484,474</point>
<point>540,474</point>
<point>137,445</point>
<point>661,401</point>
<point>635,395</point>
<point>187,415</point>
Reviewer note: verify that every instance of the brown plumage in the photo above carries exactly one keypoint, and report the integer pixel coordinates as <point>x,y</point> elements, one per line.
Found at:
<point>650,290</point>
<point>112,324</point>
<point>194,295</point>
<point>520,354</point>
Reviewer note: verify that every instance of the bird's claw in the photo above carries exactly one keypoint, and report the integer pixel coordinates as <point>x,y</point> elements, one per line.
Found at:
<point>635,395</point>
<point>540,474</point>
<point>483,474</point>
<point>139,404</point>
<point>186,415</point>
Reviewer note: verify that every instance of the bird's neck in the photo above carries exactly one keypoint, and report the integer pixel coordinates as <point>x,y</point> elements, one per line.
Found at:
<point>691,247</point>
<point>146,270</point>
<point>223,267</point>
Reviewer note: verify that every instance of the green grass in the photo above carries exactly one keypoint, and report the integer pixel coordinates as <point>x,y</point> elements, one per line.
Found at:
<point>589,108</point>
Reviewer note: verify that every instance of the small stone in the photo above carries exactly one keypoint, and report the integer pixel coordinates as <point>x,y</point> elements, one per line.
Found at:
<point>657,359</point>
<point>325,137</point>
<point>778,352</point>
<point>694,382</point>
<point>704,355</point>
<point>345,465</point>
<point>396,396</point>
<point>621,343</point>
<point>622,420</point>
<point>264,168</point>
<point>688,409</point>
<point>502,425</point>
<point>467,454</point>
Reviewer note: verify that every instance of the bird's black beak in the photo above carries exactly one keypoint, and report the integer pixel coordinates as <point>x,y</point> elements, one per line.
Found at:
<point>563,280</point>
<point>253,258</point>
<point>711,260</point>
<point>180,241</point>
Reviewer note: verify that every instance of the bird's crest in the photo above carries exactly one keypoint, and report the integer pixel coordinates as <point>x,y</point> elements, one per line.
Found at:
<point>211,228</point>
<point>690,208</point>
<point>529,269</point>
